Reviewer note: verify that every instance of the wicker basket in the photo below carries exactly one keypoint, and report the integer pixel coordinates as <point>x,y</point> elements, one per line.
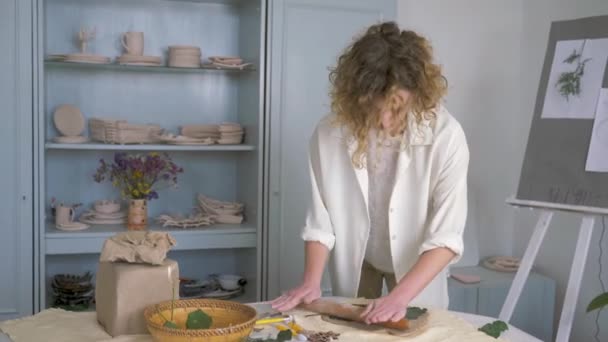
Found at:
<point>122,132</point>
<point>231,321</point>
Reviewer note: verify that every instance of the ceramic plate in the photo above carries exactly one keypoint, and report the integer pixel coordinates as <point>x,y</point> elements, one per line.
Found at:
<point>138,59</point>
<point>94,220</point>
<point>72,227</point>
<point>56,57</point>
<point>105,216</point>
<point>85,58</point>
<point>69,120</point>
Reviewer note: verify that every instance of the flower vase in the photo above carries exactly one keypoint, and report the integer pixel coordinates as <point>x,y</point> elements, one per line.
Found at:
<point>138,214</point>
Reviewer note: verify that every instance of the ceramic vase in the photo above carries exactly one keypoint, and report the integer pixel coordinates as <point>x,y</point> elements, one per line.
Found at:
<point>138,214</point>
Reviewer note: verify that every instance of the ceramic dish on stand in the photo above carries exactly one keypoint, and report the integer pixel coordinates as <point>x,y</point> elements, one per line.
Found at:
<point>68,120</point>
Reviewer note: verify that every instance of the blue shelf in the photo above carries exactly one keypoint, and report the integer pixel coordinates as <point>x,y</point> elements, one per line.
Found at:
<point>148,147</point>
<point>90,241</point>
<point>155,69</point>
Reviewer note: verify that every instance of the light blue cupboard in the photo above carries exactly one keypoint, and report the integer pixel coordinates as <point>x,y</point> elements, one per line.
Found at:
<point>17,241</point>
<point>291,44</point>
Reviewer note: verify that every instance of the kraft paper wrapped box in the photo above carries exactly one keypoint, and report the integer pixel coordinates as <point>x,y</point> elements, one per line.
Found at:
<point>124,288</point>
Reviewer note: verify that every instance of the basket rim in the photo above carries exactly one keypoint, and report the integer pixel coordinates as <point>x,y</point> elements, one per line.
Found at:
<point>189,303</point>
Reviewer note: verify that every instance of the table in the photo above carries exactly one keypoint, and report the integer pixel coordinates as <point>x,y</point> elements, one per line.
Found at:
<point>60,326</point>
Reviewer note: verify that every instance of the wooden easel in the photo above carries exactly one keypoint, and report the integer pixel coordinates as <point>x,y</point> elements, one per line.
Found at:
<point>576,270</point>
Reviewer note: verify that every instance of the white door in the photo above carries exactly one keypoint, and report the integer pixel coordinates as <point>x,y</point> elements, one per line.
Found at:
<point>306,37</point>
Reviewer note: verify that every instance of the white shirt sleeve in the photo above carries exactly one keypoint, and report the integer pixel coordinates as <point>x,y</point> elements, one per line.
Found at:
<point>449,200</point>
<point>318,224</point>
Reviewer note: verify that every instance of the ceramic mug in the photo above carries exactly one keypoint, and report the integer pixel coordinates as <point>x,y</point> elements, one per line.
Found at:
<point>133,42</point>
<point>64,214</point>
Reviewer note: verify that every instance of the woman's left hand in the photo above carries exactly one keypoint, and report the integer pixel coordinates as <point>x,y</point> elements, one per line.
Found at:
<point>389,308</point>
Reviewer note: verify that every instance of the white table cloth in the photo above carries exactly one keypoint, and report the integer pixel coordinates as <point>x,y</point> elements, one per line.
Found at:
<point>55,325</point>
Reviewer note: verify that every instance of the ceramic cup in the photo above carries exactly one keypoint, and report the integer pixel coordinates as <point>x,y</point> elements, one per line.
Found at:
<point>133,42</point>
<point>64,214</point>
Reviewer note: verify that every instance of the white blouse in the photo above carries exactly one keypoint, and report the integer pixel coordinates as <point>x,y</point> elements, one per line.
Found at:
<point>428,205</point>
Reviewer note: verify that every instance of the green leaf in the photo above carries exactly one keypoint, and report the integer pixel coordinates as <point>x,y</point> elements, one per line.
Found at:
<point>598,302</point>
<point>284,336</point>
<point>500,325</point>
<point>494,329</point>
<point>198,320</point>
<point>414,312</point>
<point>171,325</point>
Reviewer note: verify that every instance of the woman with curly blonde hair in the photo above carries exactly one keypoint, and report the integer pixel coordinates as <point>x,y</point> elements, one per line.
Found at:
<point>389,180</point>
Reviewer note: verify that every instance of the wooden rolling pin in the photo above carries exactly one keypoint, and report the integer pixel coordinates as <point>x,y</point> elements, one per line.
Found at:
<point>348,312</point>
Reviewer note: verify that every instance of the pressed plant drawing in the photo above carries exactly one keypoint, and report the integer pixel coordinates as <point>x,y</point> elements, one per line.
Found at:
<point>569,82</point>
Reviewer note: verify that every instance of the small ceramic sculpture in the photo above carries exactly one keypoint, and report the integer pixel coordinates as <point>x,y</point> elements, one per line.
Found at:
<point>84,36</point>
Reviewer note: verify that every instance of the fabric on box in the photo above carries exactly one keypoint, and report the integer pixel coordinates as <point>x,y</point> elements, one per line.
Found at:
<point>137,247</point>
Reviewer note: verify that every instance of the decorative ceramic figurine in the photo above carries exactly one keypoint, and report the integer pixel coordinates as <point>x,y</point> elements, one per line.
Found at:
<point>84,36</point>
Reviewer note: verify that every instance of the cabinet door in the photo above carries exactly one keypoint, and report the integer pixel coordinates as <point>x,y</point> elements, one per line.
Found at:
<point>306,37</point>
<point>16,214</point>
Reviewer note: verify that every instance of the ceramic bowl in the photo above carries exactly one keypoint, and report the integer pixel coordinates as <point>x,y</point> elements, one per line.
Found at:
<point>107,207</point>
<point>231,282</point>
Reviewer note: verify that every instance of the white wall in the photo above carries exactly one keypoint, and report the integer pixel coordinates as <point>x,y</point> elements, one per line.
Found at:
<point>478,44</point>
<point>492,52</point>
<point>556,254</point>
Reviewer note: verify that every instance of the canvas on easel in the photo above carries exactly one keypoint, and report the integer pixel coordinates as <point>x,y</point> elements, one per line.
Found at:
<point>566,162</point>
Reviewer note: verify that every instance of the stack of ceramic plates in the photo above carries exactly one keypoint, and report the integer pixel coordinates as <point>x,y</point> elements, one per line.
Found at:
<point>184,140</point>
<point>183,56</point>
<point>69,121</point>
<point>201,131</point>
<point>87,58</point>
<point>230,134</point>
<point>139,60</point>
<point>73,292</point>
<point>104,212</point>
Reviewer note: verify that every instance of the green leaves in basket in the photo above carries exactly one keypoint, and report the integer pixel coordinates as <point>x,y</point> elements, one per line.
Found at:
<point>414,312</point>
<point>198,320</point>
<point>495,328</point>
<point>171,325</point>
<point>598,302</point>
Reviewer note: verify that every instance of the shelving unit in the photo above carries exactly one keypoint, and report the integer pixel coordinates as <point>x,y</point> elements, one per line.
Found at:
<point>169,97</point>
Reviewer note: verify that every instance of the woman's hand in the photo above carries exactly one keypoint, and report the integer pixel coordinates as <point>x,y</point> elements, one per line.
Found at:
<point>305,293</point>
<point>391,308</point>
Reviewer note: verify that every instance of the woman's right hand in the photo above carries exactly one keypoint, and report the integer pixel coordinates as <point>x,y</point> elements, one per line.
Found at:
<point>305,293</point>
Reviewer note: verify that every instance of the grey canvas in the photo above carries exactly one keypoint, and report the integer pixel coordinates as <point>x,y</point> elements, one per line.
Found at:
<point>554,164</point>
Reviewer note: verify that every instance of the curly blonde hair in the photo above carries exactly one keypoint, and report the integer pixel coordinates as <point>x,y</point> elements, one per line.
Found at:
<point>376,65</point>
